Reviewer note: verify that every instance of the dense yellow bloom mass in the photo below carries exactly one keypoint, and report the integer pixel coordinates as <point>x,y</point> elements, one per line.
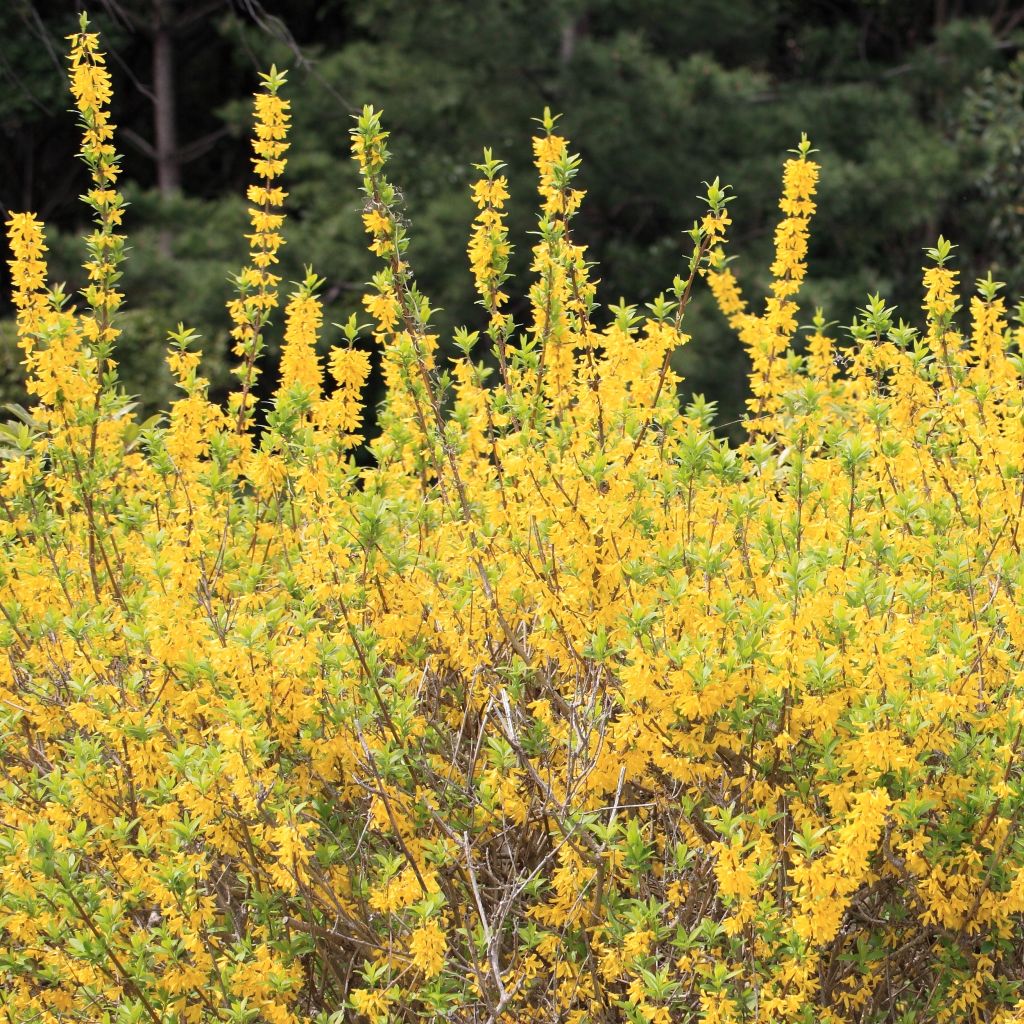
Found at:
<point>563,710</point>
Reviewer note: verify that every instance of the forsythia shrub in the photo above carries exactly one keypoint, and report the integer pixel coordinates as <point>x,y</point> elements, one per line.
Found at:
<point>562,711</point>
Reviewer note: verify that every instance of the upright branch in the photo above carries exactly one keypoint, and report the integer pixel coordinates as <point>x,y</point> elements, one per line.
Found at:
<point>489,251</point>
<point>91,89</point>
<point>775,330</point>
<point>257,284</point>
<point>706,236</point>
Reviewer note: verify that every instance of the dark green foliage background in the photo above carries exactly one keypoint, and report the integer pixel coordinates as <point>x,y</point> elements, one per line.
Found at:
<point>917,110</point>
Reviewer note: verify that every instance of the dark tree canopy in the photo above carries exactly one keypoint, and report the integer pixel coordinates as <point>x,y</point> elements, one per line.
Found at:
<point>917,109</point>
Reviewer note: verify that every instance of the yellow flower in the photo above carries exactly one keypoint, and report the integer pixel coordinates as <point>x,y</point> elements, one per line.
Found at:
<point>427,945</point>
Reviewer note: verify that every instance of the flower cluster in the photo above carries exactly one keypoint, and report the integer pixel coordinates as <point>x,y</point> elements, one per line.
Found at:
<point>257,296</point>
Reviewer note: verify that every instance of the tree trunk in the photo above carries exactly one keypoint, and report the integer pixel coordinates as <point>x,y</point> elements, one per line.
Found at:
<point>165,128</point>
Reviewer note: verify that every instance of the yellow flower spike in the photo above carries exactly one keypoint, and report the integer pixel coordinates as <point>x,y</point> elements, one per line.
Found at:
<point>767,337</point>
<point>300,366</point>
<point>92,92</point>
<point>489,250</point>
<point>28,277</point>
<point>562,295</point>
<point>725,289</point>
<point>257,285</point>
<point>340,415</point>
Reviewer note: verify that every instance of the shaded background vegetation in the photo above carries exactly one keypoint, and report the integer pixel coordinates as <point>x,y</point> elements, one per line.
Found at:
<point>917,109</point>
